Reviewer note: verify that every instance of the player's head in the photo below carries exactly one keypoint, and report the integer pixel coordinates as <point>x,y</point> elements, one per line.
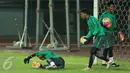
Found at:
<point>110,6</point>
<point>41,57</point>
<point>84,13</point>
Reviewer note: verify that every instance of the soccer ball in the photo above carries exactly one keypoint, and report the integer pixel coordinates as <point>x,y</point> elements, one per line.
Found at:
<point>106,22</point>
<point>82,40</point>
<point>49,46</point>
<point>36,64</point>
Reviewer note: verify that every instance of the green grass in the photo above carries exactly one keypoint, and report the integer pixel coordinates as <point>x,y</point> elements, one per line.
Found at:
<point>74,64</point>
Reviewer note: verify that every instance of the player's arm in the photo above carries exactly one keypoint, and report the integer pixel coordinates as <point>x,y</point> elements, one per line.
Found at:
<point>114,25</point>
<point>121,35</point>
<point>85,39</point>
<point>88,35</point>
<point>26,60</point>
<point>92,22</point>
<point>100,21</point>
<point>96,26</point>
<point>114,22</point>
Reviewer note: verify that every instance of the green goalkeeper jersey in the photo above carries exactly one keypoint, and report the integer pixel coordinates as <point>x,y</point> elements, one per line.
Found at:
<point>112,18</point>
<point>47,54</point>
<point>94,26</point>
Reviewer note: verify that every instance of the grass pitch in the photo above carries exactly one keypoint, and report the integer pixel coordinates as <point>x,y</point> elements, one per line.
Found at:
<point>12,62</point>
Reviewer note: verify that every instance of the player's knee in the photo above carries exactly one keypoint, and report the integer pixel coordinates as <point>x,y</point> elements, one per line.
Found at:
<point>93,50</point>
<point>60,63</point>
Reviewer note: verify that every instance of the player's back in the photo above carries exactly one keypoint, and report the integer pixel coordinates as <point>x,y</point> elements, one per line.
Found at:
<point>94,26</point>
<point>48,54</point>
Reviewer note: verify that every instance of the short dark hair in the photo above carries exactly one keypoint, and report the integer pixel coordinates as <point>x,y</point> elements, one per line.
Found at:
<point>84,10</point>
<point>110,3</point>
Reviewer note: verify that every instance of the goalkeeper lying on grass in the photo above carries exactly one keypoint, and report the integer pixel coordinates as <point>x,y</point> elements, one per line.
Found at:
<point>54,61</point>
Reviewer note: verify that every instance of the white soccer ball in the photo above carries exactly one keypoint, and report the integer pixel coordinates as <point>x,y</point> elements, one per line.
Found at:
<point>36,64</point>
<point>49,46</point>
<point>106,22</point>
<point>82,40</point>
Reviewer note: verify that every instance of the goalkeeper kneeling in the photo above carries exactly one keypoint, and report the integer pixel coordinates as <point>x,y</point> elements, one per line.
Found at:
<point>54,61</point>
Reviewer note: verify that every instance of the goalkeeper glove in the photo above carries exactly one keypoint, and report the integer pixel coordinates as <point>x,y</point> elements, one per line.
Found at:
<point>26,60</point>
<point>84,40</point>
<point>121,35</point>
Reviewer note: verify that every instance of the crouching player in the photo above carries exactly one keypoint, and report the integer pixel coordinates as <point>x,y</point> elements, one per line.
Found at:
<point>54,61</point>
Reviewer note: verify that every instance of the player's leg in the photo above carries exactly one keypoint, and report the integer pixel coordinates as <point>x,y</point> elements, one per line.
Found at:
<point>100,42</point>
<point>51,64</point>
<point>60,63</point>
<point>111,50</point>
<point>108,43</point>
<point>106,48</point>
<point>111,58</point>
<point>110,53</point>
<point>56,63</point>
<point>105,52</point>
<point>91,58</point>
<point>93,53</point>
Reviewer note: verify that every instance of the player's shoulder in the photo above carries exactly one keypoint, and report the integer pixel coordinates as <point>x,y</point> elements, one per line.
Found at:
<point>93,17</point>
<point>40,52</point>
<point>106,12</point>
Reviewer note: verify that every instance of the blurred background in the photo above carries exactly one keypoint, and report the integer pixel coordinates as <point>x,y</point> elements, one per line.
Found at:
<point>13,19</point>
<point>12,13</point>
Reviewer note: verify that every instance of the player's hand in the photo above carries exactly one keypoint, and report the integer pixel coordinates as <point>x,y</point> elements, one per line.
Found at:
<point>26,60</point>
<point>121,35</point>
<point>84,40</point>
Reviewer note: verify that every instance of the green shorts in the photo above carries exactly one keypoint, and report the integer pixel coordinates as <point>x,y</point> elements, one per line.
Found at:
<point>102,40</point>
<point>109,39</point>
